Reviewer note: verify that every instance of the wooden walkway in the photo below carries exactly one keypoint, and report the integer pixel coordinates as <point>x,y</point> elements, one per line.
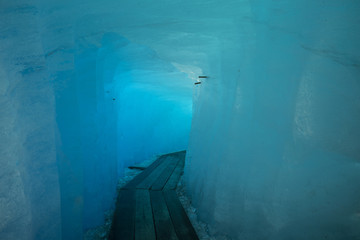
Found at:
<point>148,208</point>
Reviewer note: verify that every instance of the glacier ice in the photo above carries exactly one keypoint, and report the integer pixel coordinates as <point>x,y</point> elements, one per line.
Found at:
<point>88,88</point>
<point>278,122</point>
<point>79,103</point>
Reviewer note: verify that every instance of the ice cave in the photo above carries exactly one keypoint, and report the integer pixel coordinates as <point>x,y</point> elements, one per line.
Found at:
<point>263,95</point>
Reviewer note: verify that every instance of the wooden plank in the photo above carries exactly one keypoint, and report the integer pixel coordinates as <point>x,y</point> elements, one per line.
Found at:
<point>181,222</point>
<point>165,175</point>
<point>124,217</point>
<point>139,178</point>
<point>152,177</point>
<point>175,153</point>
<point>137,168</point>
<point>163,225</point>
<point>144,224</point>
<point>175,176</point>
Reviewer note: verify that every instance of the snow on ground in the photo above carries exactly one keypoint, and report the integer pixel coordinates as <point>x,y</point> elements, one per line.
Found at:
<point>203,230</point>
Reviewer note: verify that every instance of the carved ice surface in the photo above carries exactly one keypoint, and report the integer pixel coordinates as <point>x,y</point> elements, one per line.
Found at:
<point>88,88</point>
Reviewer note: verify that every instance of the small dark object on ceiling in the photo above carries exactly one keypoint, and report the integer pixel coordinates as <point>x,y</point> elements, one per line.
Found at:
<point>136,167</point>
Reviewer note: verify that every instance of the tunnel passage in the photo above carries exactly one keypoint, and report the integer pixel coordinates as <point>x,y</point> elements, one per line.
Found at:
<point>148,207</point>
<point>273,150</point>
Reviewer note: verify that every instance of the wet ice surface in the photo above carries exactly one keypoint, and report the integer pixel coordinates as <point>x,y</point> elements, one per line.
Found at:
<point>102,232</point>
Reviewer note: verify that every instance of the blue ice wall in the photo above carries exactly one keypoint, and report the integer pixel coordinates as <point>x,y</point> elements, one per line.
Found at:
<point>274,145</point>
<point>278,121</point>
<point>29,180</point>
<point>79,104</point>
<point>116,110</point>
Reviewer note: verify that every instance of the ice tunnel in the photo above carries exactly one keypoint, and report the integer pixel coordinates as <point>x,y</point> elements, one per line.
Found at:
<point>88,88</point>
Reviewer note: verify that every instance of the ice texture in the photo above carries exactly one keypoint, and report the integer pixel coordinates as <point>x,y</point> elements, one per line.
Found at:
<point>274,150</point>
<point>79,103</point>
<point>89,87</point>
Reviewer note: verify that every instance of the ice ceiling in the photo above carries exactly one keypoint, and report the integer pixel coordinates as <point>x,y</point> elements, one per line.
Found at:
<point>89,87</point>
